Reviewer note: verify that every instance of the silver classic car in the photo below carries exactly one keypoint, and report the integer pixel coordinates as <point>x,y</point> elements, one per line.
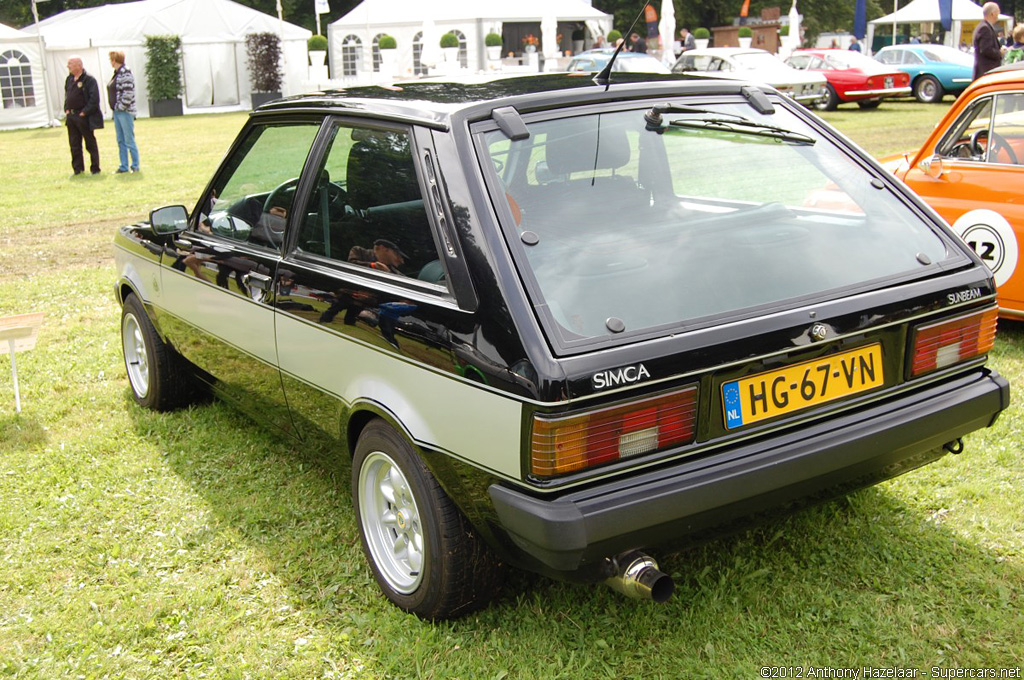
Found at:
<point>561,324</point>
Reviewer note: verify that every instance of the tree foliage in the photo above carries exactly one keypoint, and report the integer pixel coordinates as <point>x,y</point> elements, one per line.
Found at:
<point>818,15</point>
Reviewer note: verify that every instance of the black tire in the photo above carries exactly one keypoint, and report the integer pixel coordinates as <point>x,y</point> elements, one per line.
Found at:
<point>870,104</point>
<point>928,90</point>
<point>425,556</point>
<point>829,101</point>
<point>157,375</point>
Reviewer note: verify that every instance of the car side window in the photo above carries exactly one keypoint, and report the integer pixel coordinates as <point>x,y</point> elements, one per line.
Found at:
<point>251,198</point>
<point>817,64</point>
<point>890,57</point>
<point>966,137</point>
<point>1007,135</point>
<point>367,208</point>
<point>912,58</point>
<point>698,63</point>
<point>800,61</point>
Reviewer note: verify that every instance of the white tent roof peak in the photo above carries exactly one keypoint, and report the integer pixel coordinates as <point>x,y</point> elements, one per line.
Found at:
<point>401,12</point>
<point>928,10</point>
<point>195,20</point>
<point>8,32</point>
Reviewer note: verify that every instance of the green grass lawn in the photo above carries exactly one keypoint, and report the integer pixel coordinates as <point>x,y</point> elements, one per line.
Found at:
<point>197,545</point>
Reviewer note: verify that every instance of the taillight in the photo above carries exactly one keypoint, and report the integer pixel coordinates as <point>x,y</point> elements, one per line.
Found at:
<point>949,342</point>
<point>577,442</point>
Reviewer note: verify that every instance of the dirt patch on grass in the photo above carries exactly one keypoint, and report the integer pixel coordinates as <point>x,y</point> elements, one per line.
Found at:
<point>34,251</point>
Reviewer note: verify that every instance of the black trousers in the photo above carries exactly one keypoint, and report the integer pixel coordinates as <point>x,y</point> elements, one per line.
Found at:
<point>79,129</point>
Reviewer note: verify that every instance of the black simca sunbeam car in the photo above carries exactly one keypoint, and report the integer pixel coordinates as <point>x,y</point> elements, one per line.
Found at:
<point>558,323</point>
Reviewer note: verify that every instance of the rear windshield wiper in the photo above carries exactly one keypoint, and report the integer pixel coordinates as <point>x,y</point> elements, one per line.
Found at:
<point>654,120</point>
<point>744,127</point>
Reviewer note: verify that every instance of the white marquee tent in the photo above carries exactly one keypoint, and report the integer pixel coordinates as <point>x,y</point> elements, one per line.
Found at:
<point>22,89</point>
<point>214,68</point>
<point>352,37</point>
<point>927,11</point>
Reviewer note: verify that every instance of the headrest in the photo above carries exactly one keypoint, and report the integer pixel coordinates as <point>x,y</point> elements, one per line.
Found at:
<point>578,152</point>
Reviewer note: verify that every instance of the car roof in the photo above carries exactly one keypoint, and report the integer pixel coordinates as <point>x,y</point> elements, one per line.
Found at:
<point>728,51</point>
<point>608,51</point>
<point>1015,66</point>
<point>436,102</point>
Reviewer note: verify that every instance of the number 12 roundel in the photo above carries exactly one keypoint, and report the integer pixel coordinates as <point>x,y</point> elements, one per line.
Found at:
<point>988,234</point>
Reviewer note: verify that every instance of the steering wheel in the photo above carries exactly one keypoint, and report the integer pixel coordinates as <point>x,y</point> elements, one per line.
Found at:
<point>999,143</point>
<point>274,198</point>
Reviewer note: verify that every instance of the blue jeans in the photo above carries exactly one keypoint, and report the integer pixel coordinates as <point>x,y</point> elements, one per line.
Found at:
<point>124,124</point>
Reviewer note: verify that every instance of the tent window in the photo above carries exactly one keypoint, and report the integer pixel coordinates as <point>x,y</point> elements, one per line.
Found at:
<point>417,51</point>
<point>351,53</point>
<point>375,50</point>
<point>16,80</point>
<point>463,55</point>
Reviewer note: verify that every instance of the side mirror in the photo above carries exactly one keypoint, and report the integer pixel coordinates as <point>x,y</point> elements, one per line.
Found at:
<point>172,219</point>
<point>932,166</point>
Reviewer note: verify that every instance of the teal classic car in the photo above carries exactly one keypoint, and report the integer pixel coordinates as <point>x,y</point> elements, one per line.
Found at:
<point>935,70</point>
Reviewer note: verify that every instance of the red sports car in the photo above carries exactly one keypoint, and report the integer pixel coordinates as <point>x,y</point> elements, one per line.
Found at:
<point>852,77</point>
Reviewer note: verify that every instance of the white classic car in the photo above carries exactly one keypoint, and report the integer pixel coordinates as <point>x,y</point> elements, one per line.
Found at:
<point>755,65</point>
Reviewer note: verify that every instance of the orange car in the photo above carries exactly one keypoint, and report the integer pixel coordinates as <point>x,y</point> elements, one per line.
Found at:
<point>971,171</point>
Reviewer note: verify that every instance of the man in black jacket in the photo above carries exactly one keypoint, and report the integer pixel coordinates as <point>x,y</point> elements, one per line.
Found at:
<point>988,53</point>
<point>82,115</point>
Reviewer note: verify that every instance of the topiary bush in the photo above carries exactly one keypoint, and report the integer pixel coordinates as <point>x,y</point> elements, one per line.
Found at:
<point>492,40</point>
<point>264,52</point>
<point>614,36</point>
<point>163,66</point>
<point>784,31</point>
<point>386,42</point>
<point>702,34</point>
<point>449,40</point>
<point>317,43</point>
<point>745,32</point>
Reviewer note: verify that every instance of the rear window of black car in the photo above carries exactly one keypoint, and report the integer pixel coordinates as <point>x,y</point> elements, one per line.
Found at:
<point>624,228</point>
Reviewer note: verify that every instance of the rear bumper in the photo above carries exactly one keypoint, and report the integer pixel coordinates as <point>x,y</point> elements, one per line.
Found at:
<point>884,92</point>
<point>566,533</point>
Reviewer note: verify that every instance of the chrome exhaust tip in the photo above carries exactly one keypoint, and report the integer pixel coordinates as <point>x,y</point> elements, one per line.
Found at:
<point>637,576</point>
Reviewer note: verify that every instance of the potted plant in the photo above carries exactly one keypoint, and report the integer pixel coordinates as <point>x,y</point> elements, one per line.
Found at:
<point>163,74</point>
<point>530,43</point>
<point>702,37</point>
<point>388,47</point>
<point>614,36</point>
<point>493,41</point>
<point>264,53</point>
<point>450,47</point>
<point>746,36</point>
<point>317,46</point>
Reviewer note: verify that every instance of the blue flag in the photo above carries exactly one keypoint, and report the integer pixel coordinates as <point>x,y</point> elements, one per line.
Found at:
<point>946,14</point>
<point>860,19</point>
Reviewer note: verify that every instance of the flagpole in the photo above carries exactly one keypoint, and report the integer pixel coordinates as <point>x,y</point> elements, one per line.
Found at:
<point>895,8</point>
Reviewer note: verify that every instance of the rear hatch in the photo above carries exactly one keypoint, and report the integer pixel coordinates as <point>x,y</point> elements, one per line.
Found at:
<point>711,268</point>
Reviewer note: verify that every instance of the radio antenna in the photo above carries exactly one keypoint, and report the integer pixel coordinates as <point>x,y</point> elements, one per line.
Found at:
<point>604,77</point>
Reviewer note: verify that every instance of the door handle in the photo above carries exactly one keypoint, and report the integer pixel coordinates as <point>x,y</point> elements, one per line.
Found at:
<point>257,280</point>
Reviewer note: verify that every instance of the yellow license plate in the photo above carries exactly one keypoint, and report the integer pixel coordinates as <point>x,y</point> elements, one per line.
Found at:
<point>801,386</point>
